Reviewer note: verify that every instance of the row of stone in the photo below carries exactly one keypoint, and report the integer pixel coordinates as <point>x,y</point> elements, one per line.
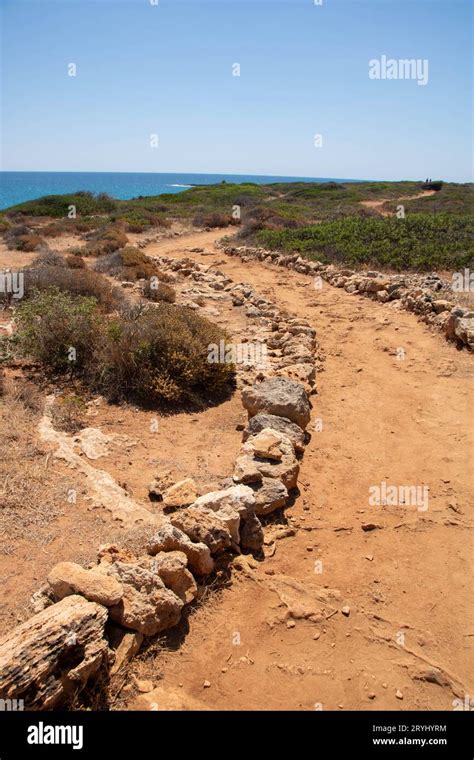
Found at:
<point>87,619</point>
<point>428,296</point>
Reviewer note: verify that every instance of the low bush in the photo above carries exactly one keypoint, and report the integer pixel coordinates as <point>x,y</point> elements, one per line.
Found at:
<point>129,263</point>
<point>420,241</point>
<point>214,219</point>
<point>159,354</point>
<point>108,240</point>
<point>68,413</point>
<point>85,204</point>
<point>155,290</point>
<point>57,329</point>
<point>75,262</point>
<point>77,282</point>
<point>48,259</point>
<point>28,242</point>
<point>149,355</point>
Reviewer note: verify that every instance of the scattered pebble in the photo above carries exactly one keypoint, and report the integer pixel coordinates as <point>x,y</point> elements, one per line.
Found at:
<point>206,685</point>
<point>290,623</point>
<point>399,694</point>
<point>317,635</point>
<point>346,610</point>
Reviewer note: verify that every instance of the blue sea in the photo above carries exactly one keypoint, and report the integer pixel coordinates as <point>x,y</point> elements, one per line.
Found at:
<point>16,187</point>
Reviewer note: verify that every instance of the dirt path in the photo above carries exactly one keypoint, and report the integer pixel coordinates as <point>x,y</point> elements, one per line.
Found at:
<point>377,205</point>
<point>407,641</point>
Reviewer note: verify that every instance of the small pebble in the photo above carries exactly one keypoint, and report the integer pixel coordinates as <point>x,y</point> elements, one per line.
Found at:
<point>206,685</point>
<point>398,694</point>
<point>290,624</point>
<point>346,610</point>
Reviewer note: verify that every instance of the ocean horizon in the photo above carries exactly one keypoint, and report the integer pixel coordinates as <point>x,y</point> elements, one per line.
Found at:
<point>17,187</point>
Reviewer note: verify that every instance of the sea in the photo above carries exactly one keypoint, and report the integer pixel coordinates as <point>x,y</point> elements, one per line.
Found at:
<point>16,187</point>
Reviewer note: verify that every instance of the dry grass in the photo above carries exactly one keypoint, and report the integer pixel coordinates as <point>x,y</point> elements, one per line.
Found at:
<point>31,493</point>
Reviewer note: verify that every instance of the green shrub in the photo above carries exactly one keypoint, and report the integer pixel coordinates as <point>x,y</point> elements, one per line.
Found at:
<point>57,329</point>
<point>420,241</point>
<point>58,205</point>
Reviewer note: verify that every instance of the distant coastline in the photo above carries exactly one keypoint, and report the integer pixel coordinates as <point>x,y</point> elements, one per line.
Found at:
<point>17,187</point>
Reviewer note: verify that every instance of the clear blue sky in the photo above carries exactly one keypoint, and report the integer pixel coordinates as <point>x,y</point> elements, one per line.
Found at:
<point>167,69</point>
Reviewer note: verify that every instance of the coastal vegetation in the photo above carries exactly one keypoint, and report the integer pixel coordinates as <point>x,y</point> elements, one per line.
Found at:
<point>353,222</point>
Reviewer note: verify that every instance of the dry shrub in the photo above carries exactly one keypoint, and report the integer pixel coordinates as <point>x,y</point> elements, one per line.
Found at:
<point>159,354</point>
<point>214,219</point>
<point>48,259</point>
<point>108,240</point>
<point>75,262</point>
<point>81,282</point>
<point>155,290</point>
<point>127,264</point>
<point>27,243</point>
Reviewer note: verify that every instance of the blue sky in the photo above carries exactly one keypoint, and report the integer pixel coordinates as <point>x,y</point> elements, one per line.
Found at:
<point>167,70</point>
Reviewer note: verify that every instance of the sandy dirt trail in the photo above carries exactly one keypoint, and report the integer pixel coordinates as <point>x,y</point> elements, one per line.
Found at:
<point>408,640</point>
<point>377,205</point>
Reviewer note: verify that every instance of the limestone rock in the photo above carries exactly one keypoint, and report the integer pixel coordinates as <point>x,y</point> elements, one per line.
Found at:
<point>172,569</point>
<point>203,525</point>
<point>181,494</point>
<point>169,538</point>
<point>281,424</point>
<point>147,605</point>
<point>167,698</point>
<point>251,533</point>
<point>245,470</point>
<point>67,578</point>
<point>124,644</point>
<point>240,498</point>
<point>271,494</point>
<point>278,396</point>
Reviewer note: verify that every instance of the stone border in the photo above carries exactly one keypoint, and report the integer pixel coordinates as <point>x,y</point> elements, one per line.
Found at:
<point>415,293</point>
<point>88,620</point>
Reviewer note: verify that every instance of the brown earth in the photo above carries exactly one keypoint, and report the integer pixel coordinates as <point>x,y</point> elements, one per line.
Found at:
<point>403,421</point>
<point>406,582</point>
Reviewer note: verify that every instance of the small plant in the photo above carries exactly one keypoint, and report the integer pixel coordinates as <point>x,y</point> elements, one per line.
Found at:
<point>155,290</point>
<point>57,329</point>
<point>68,413</point>
<point>75,262</point>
